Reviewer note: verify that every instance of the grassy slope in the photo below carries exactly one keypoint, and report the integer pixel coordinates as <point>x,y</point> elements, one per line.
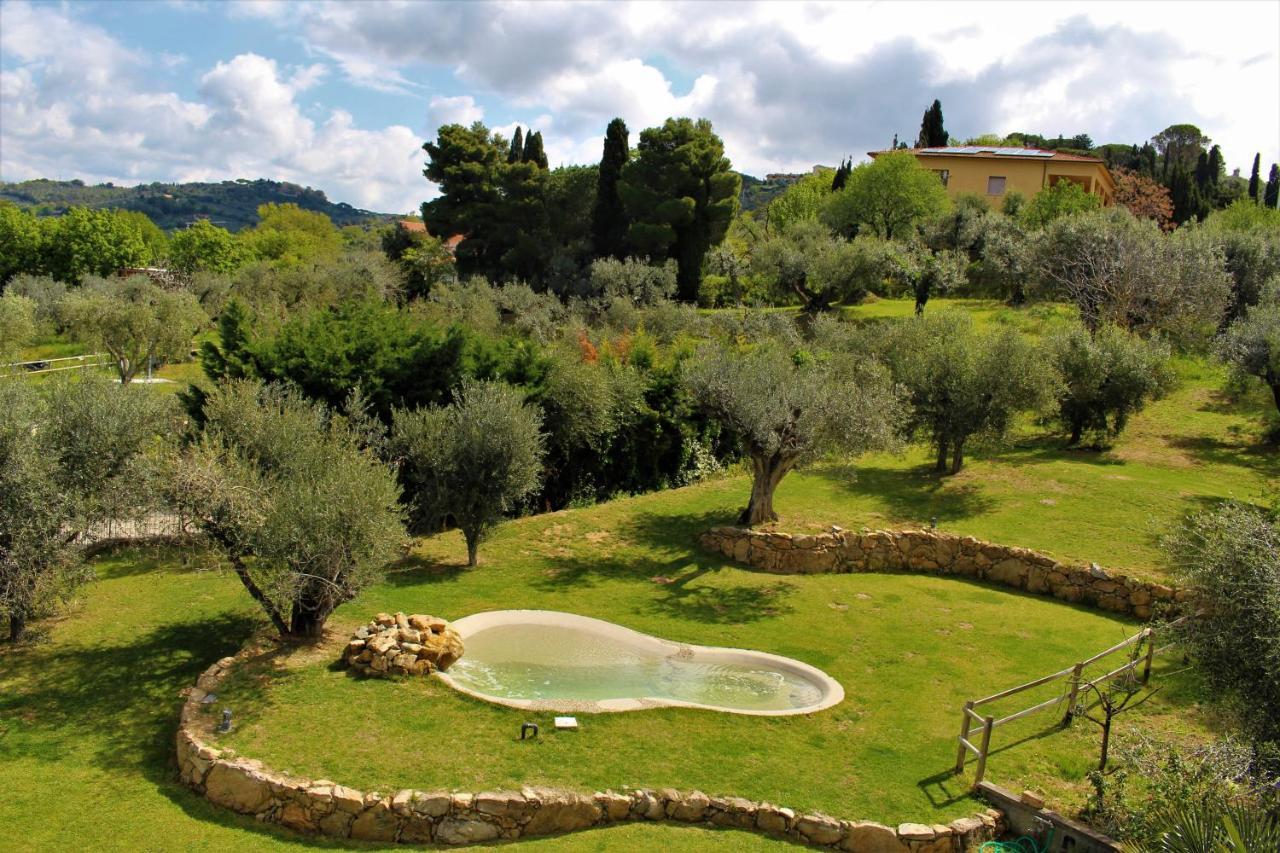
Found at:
<point>908,651</point>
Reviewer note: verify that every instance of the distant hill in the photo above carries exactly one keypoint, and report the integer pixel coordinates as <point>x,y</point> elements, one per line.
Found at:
<point>757,192</point>
<point>230,204</point>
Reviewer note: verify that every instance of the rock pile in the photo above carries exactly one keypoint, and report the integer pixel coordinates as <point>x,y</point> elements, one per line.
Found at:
<point>403,645</point>
<point>936,553</point>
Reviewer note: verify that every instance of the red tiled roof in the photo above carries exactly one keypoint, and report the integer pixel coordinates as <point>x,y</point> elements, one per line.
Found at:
<point>415,225</point>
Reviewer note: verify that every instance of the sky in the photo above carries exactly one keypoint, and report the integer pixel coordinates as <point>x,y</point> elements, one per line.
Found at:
<point>341,95</point>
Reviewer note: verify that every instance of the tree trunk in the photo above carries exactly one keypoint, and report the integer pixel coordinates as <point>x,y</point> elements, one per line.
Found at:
<point>306,622</point>
<point>957,458</point>
<point>941,466</point>
<point>473,547</point>
<point>768,472</point>
<point>1106,742</point>
<point>259,596</point>
<point>1077,432</point>
<point>17,626</point>
<point>1275,392</point>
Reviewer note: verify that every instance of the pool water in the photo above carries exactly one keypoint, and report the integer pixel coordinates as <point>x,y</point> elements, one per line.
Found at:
<point>552,662</point>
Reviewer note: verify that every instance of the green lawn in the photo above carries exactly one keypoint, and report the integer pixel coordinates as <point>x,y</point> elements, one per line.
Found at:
<point>908,651</point>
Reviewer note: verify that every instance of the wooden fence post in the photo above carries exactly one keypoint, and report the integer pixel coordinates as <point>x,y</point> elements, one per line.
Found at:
<point>1075,689</point>
<point>964,735</point>
<point>988,723</point>
<point>1151,653</point>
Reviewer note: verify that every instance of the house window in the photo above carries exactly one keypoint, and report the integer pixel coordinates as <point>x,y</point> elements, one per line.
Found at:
<point>944,175</point>
<point>995,185</point>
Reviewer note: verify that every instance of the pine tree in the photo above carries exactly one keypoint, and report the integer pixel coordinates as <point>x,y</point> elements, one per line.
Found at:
<point>533,152</point>
<point>516,154</point>
<point>609,219</point>
<point>1271,198</point>
<point>894,146</point>
<point>1255,177</point>
<point>932,133</point>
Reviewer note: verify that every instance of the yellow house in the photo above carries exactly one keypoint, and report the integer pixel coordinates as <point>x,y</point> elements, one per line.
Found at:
<point>993,172</point>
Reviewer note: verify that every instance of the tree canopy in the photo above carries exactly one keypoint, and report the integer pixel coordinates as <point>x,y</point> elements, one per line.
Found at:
<point>680,195</point>
<point>887,196</point>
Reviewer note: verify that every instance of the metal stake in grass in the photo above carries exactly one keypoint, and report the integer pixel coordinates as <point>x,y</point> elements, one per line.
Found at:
<point>225,725</point>
<point>526,728</point>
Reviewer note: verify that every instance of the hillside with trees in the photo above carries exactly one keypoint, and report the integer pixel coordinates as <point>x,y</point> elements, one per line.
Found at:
<point>232,205</point>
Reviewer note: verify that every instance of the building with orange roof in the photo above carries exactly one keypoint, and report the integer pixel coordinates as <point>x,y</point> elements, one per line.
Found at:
<point>993,172</point>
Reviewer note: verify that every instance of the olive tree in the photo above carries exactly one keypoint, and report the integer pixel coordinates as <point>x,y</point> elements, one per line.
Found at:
<point>634,279</point>
<point>292,495</point>
<point>36,554</point>
<point>789,408</point>
<point>17,324</point>
<point>1251,346</point>
<point>471,461</point>
<point>134,320</point>
<point>1126,271</point>
<point>1105,377</point>
<point>962,383</point>
<point>74,455</point>
<point>1230,557</point>
<point>807,260</point>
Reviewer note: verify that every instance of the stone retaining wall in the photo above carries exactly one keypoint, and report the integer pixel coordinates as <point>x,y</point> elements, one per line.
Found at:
<point>322,807</point>
<point>935,553</point>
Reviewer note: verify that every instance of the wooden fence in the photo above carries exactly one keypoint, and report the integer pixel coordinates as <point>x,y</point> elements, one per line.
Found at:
<point>55,365</point>
<point>1074,675</point>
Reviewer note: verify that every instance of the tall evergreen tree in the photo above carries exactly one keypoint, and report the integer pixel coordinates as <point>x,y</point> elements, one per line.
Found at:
<point>609,219</point>
<point>1187,200</point>
<point>681,194</point>
<point>1215,164</point>
<point>932,133</point>
<point>516,154</point>
<point>842,175</point>
<point>1255,177</point>
<point>1271,198</point>
<point>1202,172</point>
<point>533,152</point>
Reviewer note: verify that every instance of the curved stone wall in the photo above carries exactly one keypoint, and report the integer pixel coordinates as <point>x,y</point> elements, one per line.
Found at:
<point>934,553</point>
<point>322,807</point>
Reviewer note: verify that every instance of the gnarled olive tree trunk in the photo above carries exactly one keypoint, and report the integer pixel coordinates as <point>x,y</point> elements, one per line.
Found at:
<point>767,472</point>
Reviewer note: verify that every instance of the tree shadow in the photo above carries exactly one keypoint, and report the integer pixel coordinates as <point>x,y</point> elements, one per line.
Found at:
<point>415,570</point>
<point>918,493</point>
<point>1036,450</point>
<point>1257,456</point>
<point>131,689</point>
<point>676,593</point>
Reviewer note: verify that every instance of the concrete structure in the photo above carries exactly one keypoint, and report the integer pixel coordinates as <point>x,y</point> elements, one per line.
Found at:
<point>993,172</point>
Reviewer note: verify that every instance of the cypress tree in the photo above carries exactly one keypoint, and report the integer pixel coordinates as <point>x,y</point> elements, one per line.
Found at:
<point>533,152</point>
<point>1202,171</point>
<point>932,133</point>
<point>841,175</point>
<point>1271,198</point>
<point>1215,164</point>
<point>609,219</point>
<point>516,154</point>
<point>1255,177</point>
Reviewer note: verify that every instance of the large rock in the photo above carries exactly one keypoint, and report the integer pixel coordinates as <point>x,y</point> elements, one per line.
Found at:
<point>560,811</point>
<point>377,823</point>
<point>820,829</point>
<point>690,808</point>
<point>237,788</point>
<point>864,836</point>
<point>403,645</point>
<point>455,830</point>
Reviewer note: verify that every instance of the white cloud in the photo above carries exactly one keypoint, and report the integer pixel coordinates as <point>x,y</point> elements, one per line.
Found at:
<point>461,109</point>
<point>87,111</point>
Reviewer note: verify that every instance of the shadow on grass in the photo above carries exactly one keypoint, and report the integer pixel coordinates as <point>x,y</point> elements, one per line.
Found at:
<point>1260,456</point>
<point>415,570</point>
<point>947,787</point>
<point>121,697</point>
<point>918,494</point>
